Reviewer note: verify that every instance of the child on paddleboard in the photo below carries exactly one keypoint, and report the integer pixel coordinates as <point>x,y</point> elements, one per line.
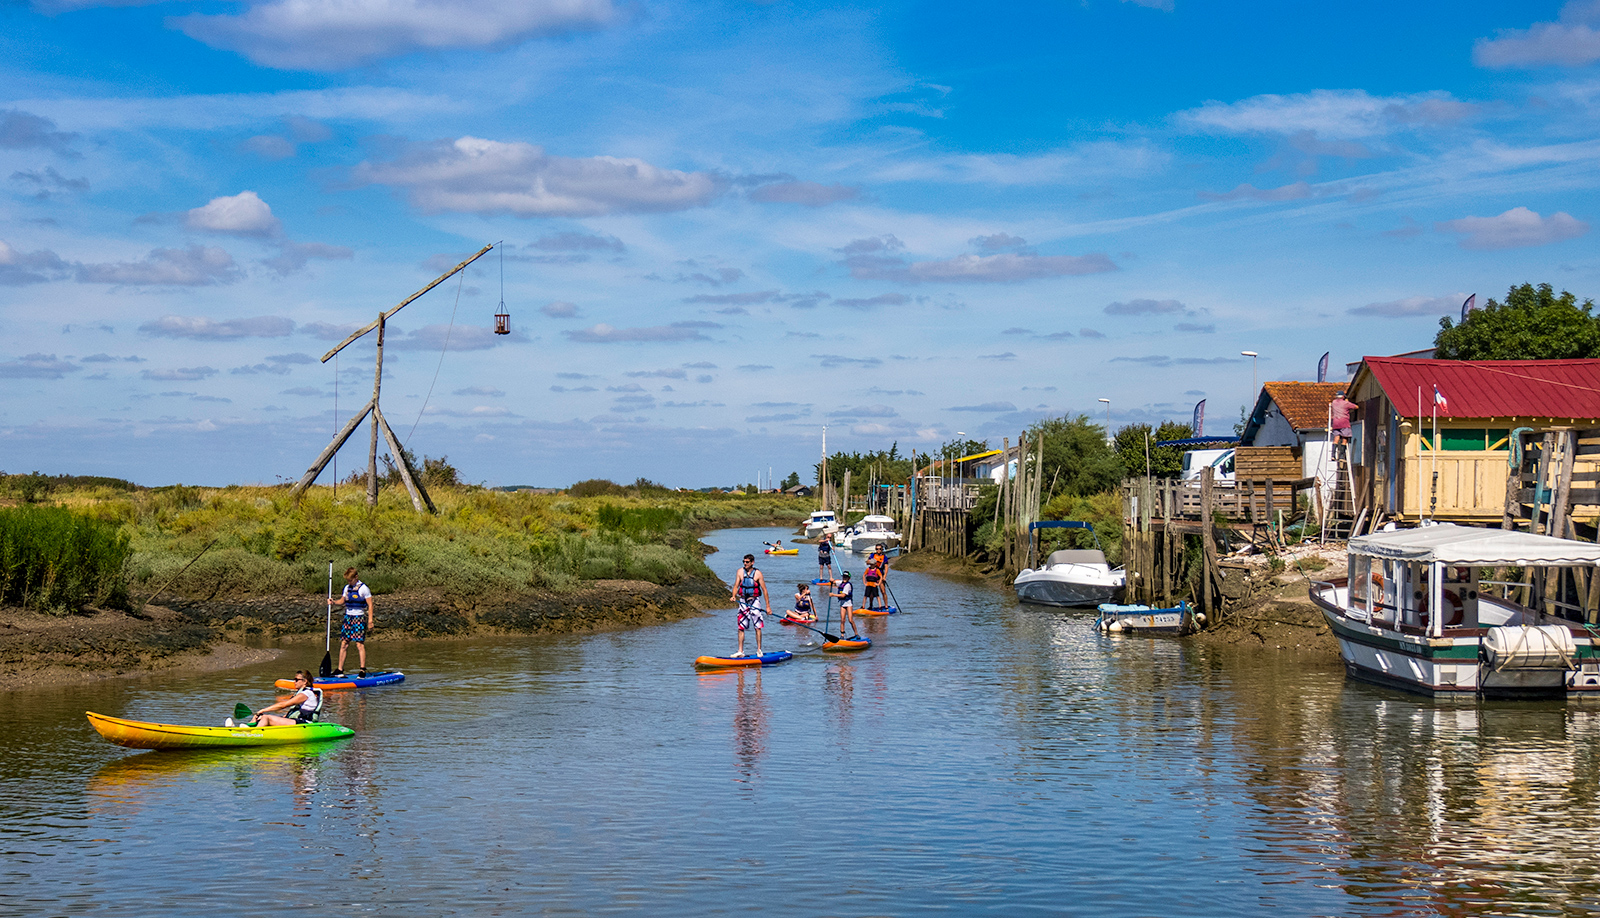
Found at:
<point>803,610</point>
<point>825,558</point>
<point>844,594</point>
<point>750,592</point>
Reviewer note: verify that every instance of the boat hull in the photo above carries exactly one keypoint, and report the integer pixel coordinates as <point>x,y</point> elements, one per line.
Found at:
<point>1048,588</point>
<point>1454,665</point>
<point>138,734</point>
<point>1115,619</point>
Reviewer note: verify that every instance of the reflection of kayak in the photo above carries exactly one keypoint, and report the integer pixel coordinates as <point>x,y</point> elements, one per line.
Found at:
<point>783,551</point>
<point>138,734</point>
<point>891,610</point>
<point>766,659</point>
<point>348,681</point>
<point>847,644</point>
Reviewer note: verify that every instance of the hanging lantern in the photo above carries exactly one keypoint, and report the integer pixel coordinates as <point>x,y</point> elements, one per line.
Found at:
<point>502,322</point>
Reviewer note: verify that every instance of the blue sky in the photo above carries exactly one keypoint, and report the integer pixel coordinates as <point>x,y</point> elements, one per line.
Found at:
<point>728,224</point>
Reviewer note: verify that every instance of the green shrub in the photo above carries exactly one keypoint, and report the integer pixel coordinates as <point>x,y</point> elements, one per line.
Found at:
<point>54,560</point>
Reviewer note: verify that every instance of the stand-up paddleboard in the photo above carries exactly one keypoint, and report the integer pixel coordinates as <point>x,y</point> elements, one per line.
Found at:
<point>890,610</point>
<point>348,681</point>
<point>792,620</point>
<point>766,659</point>
<point>844,645</point>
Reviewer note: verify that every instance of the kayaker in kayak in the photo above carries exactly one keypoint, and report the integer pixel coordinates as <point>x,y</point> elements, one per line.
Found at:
<point>803,611</point>
<point>305,702</point>
<point>750,591</point>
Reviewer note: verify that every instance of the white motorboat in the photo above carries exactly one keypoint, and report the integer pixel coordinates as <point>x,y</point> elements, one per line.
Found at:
<point>1482,644</point>
<point>820,522</point>
<point>868,534</point>
<point>1071,576</point>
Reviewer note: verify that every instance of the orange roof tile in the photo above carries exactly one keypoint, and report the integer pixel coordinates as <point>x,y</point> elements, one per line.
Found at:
<point>1304,404</point>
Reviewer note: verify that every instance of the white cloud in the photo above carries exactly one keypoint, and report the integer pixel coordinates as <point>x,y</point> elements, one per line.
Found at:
<point>559,309</point>
<point>991,407</point>
<point>451,337</point>
<point>1517,228</point>
<point>1144,308</point>
<point>1342,114</point>
<point>20,130</point>
<point>606,334</point>
<point>17,268</point>
<point>1412,306</point>
<point>867,264</point>
<point>1092,161</point>
<point>1249,192</point>
<point>202,328</point>
<point>312,35</point>
<point>809,194</point>
<point>192,267</point>
<point>472,175</point>
<point>182,374</point>
<point>36,366</point>
<point>243,214</point>
<point>1571,42</point>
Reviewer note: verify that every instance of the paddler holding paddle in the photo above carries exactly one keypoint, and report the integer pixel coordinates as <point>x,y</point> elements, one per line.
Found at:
<point>845,595</point>
<point>750,592</point>
<point>357,602</point>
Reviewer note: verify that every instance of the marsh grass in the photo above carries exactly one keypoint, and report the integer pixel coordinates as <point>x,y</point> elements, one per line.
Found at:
<point>482,542</point>
<point>55,560</point>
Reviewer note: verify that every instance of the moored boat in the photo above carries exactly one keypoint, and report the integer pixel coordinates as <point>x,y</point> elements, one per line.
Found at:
<point>138,734</point>
<point>1141,619</point>
<point>1486,645</point>
<point>1071,576</point>
<point>819,523</point>
<point>873,530</point>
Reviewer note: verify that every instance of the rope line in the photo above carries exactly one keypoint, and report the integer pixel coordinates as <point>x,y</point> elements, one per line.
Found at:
<point>447,332</point>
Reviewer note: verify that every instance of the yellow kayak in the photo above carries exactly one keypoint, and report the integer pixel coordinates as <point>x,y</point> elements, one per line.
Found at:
<point>783,551</point>
<point>139,734</point>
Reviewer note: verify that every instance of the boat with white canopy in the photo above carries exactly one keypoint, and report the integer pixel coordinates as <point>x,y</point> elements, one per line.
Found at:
<point>1387,616</point>
<point>1069,577</point>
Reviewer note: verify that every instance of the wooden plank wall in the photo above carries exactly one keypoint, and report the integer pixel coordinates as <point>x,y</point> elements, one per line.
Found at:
<point>1259,463</point>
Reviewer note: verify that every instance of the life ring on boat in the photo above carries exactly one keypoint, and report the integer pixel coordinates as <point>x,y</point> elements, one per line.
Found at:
<point>1452,600</point>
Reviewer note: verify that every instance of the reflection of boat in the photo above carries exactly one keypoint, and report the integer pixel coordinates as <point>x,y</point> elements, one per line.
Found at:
<point>868,534</point>
<point>1070,577</point>
<point>820,522</point>
<point>1481,643</point>
<point>347,681</point>
<point>138,734</point>
<point>1145,620</point>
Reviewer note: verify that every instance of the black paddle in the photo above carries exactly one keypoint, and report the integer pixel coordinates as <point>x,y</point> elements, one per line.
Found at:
<point>326,669</point>
<point>831,638</point>
<point>892,598</point>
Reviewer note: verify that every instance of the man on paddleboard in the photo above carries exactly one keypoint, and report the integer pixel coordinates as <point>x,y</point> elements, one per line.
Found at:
<point>357,602</point>
<point>750,592</point>
<point>825,558</point>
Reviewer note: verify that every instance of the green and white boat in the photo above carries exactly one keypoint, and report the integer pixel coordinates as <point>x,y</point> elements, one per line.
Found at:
<point>1487,643</point>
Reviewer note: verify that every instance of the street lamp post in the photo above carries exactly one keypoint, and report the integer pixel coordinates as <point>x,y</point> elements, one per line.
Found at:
<point>1108,417</point>
<point>1252,355</point>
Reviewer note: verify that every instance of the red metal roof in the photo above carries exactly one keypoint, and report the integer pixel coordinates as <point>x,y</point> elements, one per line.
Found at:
<point>1492,388</point>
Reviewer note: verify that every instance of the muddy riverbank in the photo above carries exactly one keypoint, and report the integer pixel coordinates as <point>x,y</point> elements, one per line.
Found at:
<point>194,636</point>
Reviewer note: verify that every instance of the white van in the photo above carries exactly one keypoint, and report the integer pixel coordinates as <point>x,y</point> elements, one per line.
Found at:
<point>1219,460</point>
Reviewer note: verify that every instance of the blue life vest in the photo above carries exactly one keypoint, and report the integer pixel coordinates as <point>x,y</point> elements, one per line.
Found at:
<point>354,602</point>
<point>747,585</point>
<point>824,549</point>
<point>803,604</point>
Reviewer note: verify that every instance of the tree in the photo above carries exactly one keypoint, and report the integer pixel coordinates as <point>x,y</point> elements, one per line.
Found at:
<point>1077,458</point>
<point>1165,461</point>
<point>793,481</point>
<point>1532,324</point>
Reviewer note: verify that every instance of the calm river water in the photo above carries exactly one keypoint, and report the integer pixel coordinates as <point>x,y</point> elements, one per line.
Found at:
<point>982,758</point>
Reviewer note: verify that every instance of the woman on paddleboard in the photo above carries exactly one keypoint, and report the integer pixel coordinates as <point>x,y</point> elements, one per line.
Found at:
<point>304,704</point>
<point>803,611</point>
<point>750,592</point>
<point>844,594</point>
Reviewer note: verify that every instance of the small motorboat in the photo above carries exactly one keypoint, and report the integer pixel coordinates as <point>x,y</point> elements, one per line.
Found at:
<point>870,533</point>
<point>1070,577</point>
<point>1140,619</point>
<point>820,523</point>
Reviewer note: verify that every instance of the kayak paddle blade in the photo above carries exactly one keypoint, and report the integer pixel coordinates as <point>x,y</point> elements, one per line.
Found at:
<point>242,712</point>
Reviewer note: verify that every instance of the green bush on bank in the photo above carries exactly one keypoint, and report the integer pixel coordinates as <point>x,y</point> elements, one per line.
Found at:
<point>55,560</point>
